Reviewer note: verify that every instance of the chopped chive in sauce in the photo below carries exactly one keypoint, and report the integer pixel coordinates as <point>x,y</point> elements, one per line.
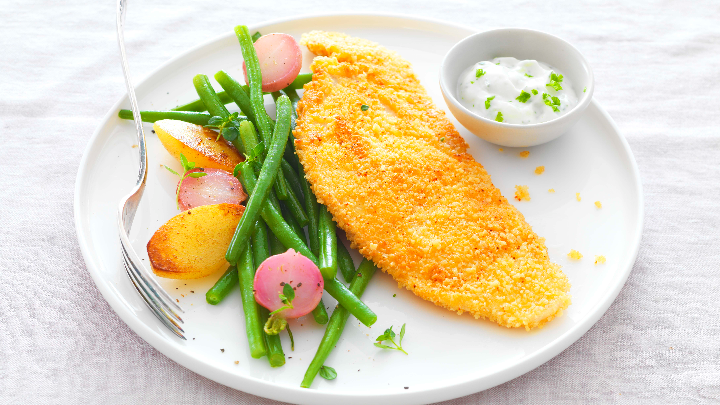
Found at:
<point>534,92</point>
<point>499,117</point>
<point>479,72</point>
<point>487,102</point>
<point>523,97</point>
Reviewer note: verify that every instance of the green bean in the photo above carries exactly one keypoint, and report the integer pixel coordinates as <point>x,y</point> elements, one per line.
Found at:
<point>273,218</point>
<point>293,179</point>
<point>320,313</point>
<point>222,287</point>
<point>295,209</point>
<point>290,155</point>
<point>248,138</point>
<point>253,327</point>
<point>215,106</point>
<point>261,251</point>
<point>199,106</point>
<point>289,239</point>
<point>152,116</point>
<point>237,93</point>
<point>276,247</point>
<point>312,209</point>
<point>257,102</point>
<point>345,262</point>
<point>208,96</point>
<point>268,173</point>
<point>337,323</point>
<point>285,211</point>
<point>328,244</point>
<point>299,82</point>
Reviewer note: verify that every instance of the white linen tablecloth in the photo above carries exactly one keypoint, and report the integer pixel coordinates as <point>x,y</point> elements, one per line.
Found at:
<point>657,68</point>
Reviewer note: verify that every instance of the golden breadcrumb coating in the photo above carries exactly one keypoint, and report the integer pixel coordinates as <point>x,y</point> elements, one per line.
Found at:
<point>524,154</point>
<point>522,193</point>
<point>397,178</point>
<point>575,255</point>
<point>540,170</point>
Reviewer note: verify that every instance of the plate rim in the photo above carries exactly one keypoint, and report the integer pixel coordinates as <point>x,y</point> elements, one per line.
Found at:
<point>273,391</point>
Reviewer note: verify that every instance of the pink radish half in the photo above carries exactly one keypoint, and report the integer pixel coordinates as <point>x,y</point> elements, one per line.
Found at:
<point>216,187</point>
<point>289,268</point>
<point>280,61</point>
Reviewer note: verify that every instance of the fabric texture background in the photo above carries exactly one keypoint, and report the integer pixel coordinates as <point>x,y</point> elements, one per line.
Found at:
<point>657,67</point>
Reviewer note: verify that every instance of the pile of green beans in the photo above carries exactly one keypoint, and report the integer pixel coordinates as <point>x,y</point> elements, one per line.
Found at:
<point>280,205</point>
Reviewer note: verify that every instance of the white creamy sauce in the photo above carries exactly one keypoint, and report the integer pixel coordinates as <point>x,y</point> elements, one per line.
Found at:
<point>506,79</point>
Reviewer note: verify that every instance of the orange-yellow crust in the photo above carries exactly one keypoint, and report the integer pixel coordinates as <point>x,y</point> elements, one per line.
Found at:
<point>192,244</point>
<point>398,180</point>
<point>199,145</point>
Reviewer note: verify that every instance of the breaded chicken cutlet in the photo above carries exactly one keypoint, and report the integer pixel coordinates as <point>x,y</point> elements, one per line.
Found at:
<point>395,175</point>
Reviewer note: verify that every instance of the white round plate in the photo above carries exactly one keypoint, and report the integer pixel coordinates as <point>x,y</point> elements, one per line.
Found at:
<point>449,355</point>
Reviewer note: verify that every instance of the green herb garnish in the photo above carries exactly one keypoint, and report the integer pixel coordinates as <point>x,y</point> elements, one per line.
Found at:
<point>187,167</point>
<point>555,81</point>
<point>528,75</point>
<point>479,72</point>
<point>585,89</point>
<point>328,372</point>
<point>389,335</point>
<point>487,102</point>
<point>499,117</point>
<point>364,107</point>
<point>523,97</point>
<point>551,101</point>
<point>534,92</point>
<point>227,127</point>
<point>277,322</point>
<point>286,297</point>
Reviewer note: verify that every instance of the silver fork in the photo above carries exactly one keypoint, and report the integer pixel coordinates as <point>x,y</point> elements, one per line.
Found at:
<point>157,299</point>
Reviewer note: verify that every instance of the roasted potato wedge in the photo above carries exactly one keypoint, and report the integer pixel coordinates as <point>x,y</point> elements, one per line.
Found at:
<point>192,244</point>
<point>198,144</point>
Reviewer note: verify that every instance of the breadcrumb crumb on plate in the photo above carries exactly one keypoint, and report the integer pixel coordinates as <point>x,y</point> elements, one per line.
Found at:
<point>599,260</point>
<point>524,154</point>
<point>598,204</point>
<point>575,255</point>
<point>540,170</point>
<point>522,193</point>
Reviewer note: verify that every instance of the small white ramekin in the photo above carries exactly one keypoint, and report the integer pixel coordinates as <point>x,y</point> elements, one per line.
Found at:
<point>521,44</point>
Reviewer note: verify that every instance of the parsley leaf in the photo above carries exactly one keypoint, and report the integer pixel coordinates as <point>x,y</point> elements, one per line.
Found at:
<point>227,127</point>
<point>528,75</point>
<point>364,107</point>
<point>487,102</point>
<point>534,92</point>
<point>555,81</point>
<point>479,72</point>
<point>328,372</point>
<point>585,89</point>
<point>171,170</point>
<point>389,336</point>
<point>523,97</point>
<point>551,101</point>
<point>499,117</point>
<point>286,297</point>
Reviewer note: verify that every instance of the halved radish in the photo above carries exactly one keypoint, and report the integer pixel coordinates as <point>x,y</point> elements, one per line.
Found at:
<point>288,268</point>
<point>216,187</point>
<point>280,60</point>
